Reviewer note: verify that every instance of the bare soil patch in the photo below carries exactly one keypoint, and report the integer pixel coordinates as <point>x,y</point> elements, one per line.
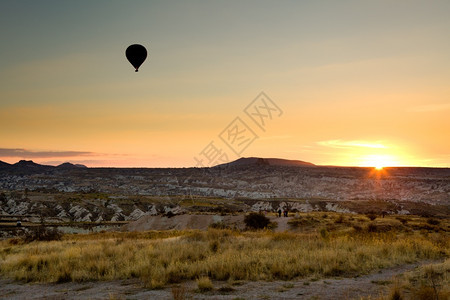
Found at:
<point>197,221</point>
<point>181,222</point>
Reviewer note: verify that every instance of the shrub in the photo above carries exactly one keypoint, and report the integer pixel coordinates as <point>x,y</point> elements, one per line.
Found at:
<point>402,220</point>
<point>371,215</point>
<point>356,227</point>
<point>425,293</point>
<point>431,282</point>
<point>42,233</point>
<point>204,284</point>
<point>14,241</point>
<point>324,233</point>
<point>214,246</point>
<point>256,221</point>
<point>340,219</point>
<point>372,228</point>
<point>379,227</point>
<point>432,221</point>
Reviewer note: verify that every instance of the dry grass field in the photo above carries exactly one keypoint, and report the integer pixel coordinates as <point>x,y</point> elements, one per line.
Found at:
<point>318,246</point>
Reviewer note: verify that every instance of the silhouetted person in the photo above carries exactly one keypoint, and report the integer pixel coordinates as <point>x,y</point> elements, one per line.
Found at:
<point>279,212</point>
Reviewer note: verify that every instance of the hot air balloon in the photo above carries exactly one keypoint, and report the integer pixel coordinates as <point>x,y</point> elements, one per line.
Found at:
<point>136,55</point>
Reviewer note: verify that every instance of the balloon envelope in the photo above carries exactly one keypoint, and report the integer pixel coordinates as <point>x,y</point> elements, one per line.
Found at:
<point>136,55</point>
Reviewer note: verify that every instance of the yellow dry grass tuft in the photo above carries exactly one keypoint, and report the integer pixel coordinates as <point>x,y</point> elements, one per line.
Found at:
<point>204,284</point>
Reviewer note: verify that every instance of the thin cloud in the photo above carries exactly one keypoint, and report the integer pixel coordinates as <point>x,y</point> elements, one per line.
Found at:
<point>23,153</point>
<point>351,144</point>
<point>430,107</point>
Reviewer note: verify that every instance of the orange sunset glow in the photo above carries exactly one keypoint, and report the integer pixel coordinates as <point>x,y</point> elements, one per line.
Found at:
<point>346,83</point>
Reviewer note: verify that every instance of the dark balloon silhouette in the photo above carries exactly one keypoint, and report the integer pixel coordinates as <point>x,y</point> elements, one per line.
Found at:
<point>136,55</point>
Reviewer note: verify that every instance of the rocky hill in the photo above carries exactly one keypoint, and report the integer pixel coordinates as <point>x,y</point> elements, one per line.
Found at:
<point>255,161</point>
<point>4,164</point>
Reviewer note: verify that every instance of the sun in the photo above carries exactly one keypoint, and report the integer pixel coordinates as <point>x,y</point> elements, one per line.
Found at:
<point>379,164</point>
<point>378,161</point>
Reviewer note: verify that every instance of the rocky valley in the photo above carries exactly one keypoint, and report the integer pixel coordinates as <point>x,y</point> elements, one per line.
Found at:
<point>79,194</point>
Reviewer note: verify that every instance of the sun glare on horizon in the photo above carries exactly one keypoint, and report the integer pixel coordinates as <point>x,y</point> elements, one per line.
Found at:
<point>379,161</point>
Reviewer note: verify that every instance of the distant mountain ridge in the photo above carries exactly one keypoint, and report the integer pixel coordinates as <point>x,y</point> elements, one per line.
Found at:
<point>259,161</point>
<point>4,164</point>
<point>243,161</point>
<point>27,164</point>
<point>68,165</point>
<point>31,165</point>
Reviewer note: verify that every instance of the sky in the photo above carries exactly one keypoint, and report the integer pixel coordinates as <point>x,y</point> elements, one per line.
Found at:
<point>351,83</point>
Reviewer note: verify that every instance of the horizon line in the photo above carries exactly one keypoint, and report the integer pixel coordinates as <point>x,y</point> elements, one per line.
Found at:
<point>213,166</point>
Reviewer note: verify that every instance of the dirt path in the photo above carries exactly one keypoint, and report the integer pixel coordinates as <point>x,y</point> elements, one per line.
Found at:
<point>345,288</point>
<point>282,223</point>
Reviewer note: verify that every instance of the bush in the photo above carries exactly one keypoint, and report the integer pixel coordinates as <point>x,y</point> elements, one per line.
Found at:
<point>372,228</point>
<point>371,215</point>
<point>379,228</point>
<point>357,228</point>
<point>256,221</point>
<point>214,246</point>
<point>432,221</point>
<point>402,220</point>
<point>42,233</point>
<point>324,233</point>
<point>340,219</point>
<point>14,241</point>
